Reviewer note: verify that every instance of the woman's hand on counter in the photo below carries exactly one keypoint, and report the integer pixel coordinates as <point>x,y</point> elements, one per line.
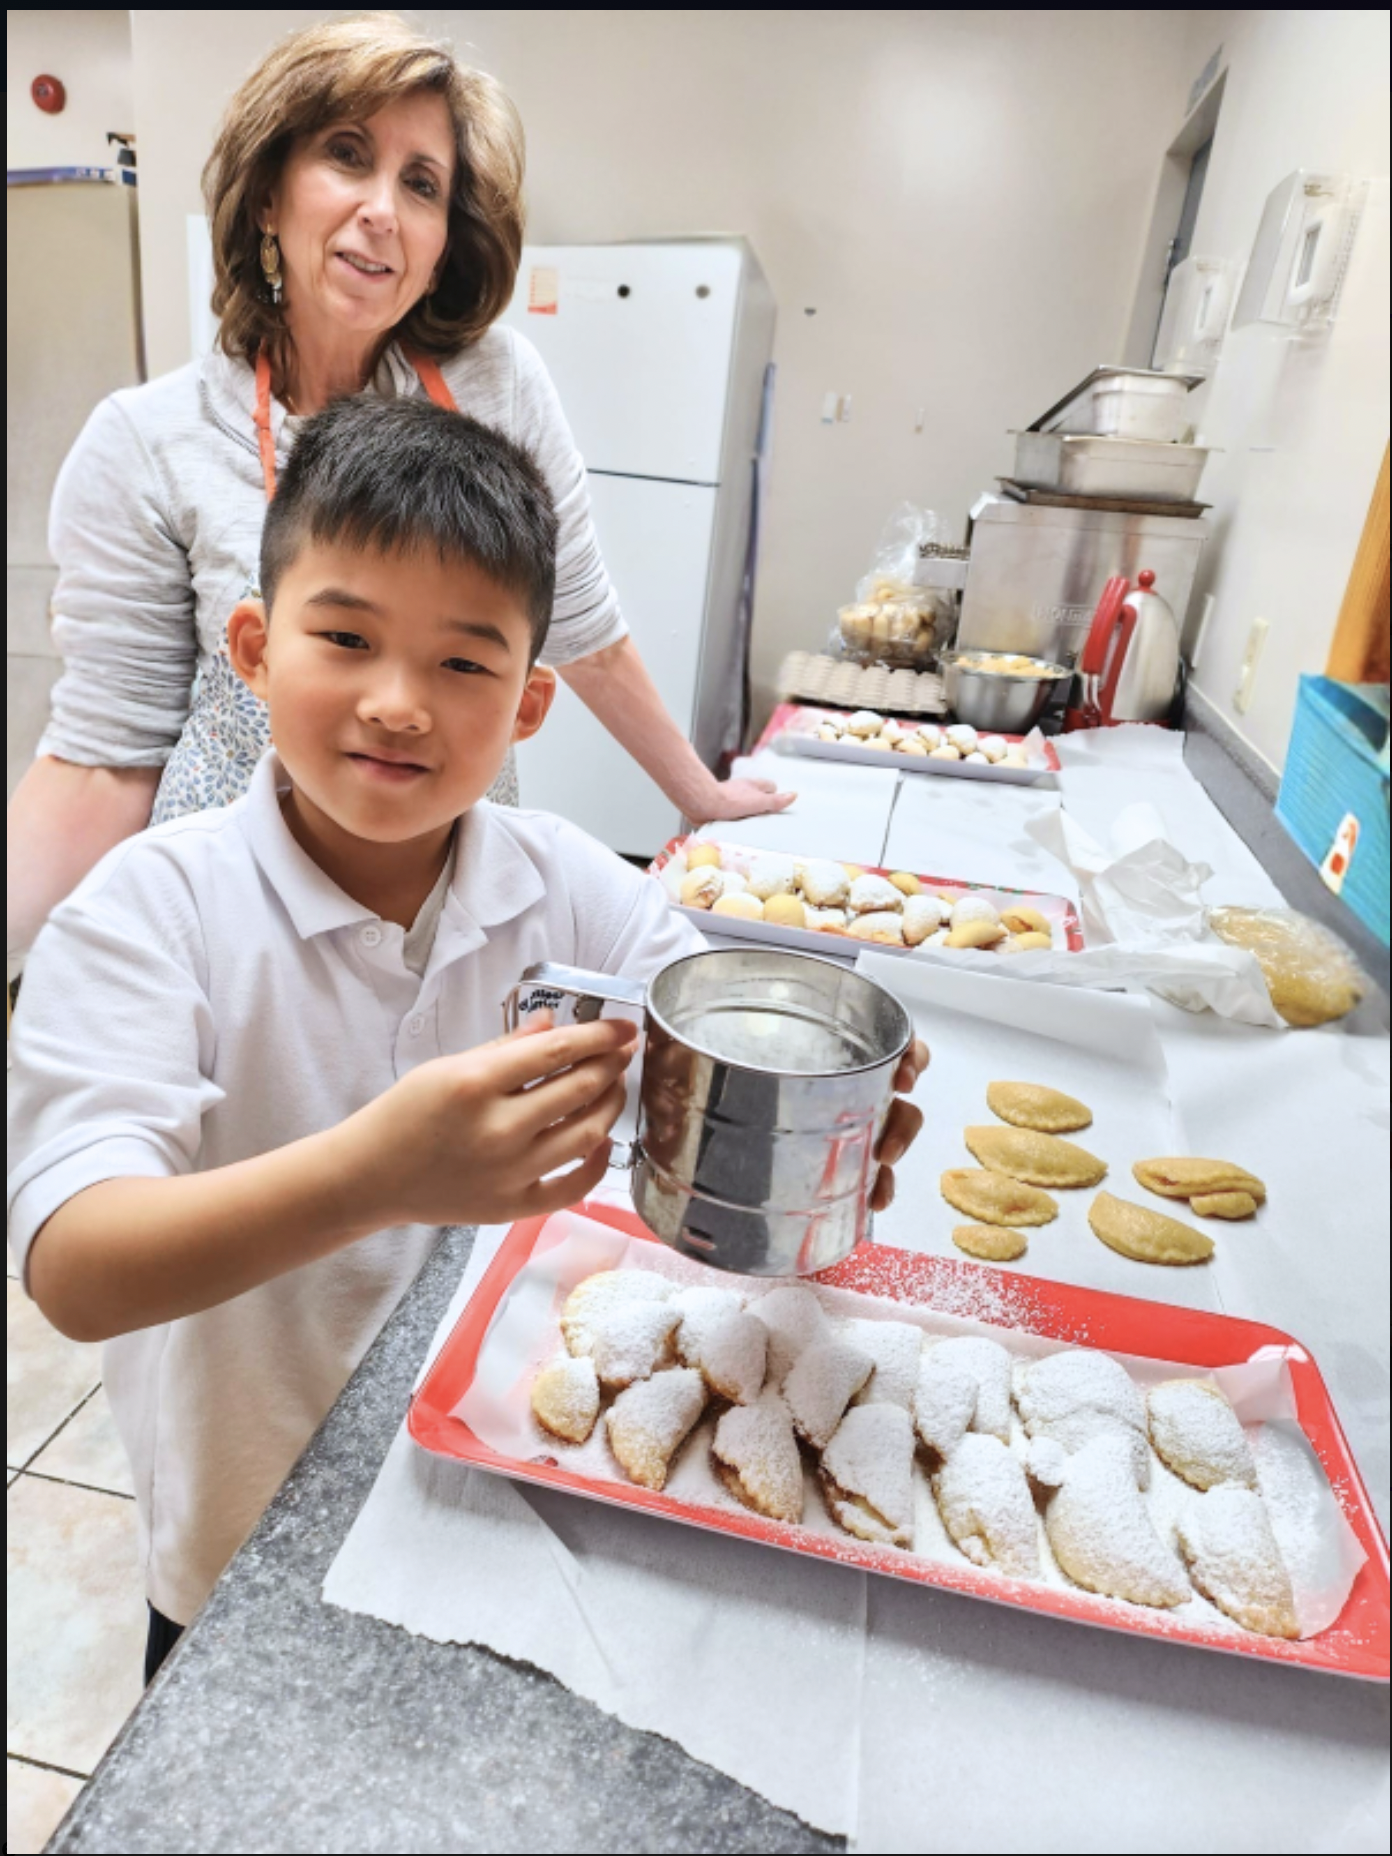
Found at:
<point>726,799</point>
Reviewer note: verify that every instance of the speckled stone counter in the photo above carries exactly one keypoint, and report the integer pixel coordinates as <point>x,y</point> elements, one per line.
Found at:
<point>283,1724</point>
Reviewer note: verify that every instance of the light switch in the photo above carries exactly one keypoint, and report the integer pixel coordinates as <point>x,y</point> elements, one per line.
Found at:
<point>830,402</point>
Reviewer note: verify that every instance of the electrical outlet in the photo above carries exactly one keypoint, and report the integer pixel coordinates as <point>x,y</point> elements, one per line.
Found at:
<point>1251,657</point>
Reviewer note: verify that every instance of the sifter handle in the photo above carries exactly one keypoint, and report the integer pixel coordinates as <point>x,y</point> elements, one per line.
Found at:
<point>593,990</point>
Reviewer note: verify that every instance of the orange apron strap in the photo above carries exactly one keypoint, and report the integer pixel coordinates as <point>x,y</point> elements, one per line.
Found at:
<point>431,379</point>
<point>262,415</point>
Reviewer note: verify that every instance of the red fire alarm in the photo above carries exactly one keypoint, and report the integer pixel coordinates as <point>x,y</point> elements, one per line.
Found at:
<point>49,94</point>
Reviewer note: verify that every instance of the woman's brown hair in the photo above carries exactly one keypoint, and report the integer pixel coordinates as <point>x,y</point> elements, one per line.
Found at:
<point>344,71</point>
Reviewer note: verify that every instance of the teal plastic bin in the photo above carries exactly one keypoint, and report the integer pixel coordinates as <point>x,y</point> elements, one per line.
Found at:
<point>1337,765</point>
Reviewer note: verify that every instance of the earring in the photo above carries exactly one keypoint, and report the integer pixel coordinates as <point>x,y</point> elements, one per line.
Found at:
<point>270,265</point>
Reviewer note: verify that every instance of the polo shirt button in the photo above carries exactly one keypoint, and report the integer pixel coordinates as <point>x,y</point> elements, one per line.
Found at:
<point>417,1026</point>
<point>370,937</point>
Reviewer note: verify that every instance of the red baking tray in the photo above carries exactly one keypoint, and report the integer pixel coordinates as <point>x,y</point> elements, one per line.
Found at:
<point>825,941</point>
<point>791,728</point>
<point>1356,1645</point>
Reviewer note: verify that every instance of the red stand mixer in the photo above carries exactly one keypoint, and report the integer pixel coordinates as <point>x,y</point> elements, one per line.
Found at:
<point>1130,669</point>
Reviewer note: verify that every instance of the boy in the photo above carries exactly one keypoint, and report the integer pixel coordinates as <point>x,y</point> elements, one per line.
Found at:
<point>254,1064</point>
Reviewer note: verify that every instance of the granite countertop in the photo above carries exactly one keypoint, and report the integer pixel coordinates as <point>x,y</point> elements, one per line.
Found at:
<point>281,1723</point>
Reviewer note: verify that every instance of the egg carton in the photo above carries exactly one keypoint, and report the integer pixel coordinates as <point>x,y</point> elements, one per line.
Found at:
<point>814,677</point>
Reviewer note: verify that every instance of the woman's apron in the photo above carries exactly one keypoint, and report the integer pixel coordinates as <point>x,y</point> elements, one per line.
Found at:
<point>228,728</point>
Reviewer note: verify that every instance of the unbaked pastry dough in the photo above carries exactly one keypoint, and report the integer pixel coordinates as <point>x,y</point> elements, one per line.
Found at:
<point>985,1504</point>
<point>1223,1204</point>
<point>649,1422</point>
<point>866,1474</point>
<point>1037,1159</point>
<point>1034,1105</point>
<point>992,1243</point>
<point>1184,1176</point>
<point>757,1458</point>
<point>1197,1434</point>
<point>1148,1237</point>
<point>565,1398</point>
<point>1232,1556</point>
<point>996,1198</point>
<point>820,1384</point>
<point>1099,1526</point>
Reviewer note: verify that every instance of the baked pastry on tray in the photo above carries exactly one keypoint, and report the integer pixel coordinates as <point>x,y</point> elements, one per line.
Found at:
<point>1197,1434</point>
<point>986,1507</point>
<point>727,1346</point>
<point>649,1423</point>
<point>1077,1395</point>
<point>1232,1555</point>
<point>589,1300</point>
<point>1099,1526</point>
<point>866,1474</point>
<point>757,1458</point>
<point>820,1384</point>
<point>988,1363</point>
<point>565,1398</point>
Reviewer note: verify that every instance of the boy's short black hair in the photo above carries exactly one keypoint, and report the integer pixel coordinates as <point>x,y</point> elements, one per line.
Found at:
<point>396,475</point>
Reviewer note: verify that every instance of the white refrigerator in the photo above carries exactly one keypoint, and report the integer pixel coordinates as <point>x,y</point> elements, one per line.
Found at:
<point>661,355</point>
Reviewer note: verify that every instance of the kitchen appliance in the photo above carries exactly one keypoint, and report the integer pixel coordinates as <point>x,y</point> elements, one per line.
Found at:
<point>999,702</point>
<point>660,354</point>
<point>1037,571</point>
<point>1123,402</point>
<point>766,1080</point>
<point>1085,465</point>
<point>1130,666</point>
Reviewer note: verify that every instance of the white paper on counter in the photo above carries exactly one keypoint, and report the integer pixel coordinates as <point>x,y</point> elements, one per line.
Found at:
<point>1098,1046</point>
<point>839,811</point>
<point>977,834</point>
<point>612,1605</point>
<point>1105,770</point>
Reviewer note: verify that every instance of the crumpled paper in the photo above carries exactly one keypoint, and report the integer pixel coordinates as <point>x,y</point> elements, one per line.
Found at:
<point>1143,917</point>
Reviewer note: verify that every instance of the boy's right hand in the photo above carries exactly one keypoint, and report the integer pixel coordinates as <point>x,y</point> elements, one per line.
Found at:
<point>470,1139</point>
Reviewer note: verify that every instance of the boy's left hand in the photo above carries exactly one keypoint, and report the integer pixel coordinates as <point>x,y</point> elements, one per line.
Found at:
<point>901,1125</point>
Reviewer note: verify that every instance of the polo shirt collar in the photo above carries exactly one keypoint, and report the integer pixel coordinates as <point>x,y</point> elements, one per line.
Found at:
<point>494,878</point>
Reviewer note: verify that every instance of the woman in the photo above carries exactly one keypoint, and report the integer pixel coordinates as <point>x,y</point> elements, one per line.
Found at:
<point>364,199</point>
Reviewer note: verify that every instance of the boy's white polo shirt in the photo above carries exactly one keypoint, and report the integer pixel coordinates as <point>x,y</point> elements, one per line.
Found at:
<point>208,994</point>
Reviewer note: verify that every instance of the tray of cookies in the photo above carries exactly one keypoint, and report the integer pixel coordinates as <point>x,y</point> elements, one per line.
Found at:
<point>866,738</point>
<point>801,903</point>
<point>1160,1471</point>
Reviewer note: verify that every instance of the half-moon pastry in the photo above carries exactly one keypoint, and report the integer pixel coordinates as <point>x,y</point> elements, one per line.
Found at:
<point>757,1458</point>
<point>1197,1434</point>
<point>988,1363</point>
<point>1038,1159</point>
<point>985,1504</point>
<point>1232,1555</point>
<point>1148,1237</point>
<point>1184,1176</point>
<point>650,1421</point>
<point>867,1474</point>
<point>1033,1105</point>
<point>632,1340</point>
<point>944,1404</point>
<point>821,1383</point>
<point>565,1398</point>
<point>605,1290</point>
<point>1075,1396</point>
<point>727,1346</point>
<point>996,1198</point>
<point>895,1347</point>
<point>1099,1526</point>
<point>794,1319</point>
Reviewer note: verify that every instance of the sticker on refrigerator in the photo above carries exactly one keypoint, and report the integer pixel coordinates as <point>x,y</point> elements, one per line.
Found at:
<point>543,290</point>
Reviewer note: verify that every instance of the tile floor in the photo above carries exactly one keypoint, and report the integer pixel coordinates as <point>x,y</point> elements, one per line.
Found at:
<point>76,1633</point>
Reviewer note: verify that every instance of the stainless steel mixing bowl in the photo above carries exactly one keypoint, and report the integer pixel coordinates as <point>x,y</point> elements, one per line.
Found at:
<point>999,702</point>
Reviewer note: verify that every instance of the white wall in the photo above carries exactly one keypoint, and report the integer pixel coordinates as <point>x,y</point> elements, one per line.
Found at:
<point>90,50</point>
<point>1302,428</point>
<point>961,196</point>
